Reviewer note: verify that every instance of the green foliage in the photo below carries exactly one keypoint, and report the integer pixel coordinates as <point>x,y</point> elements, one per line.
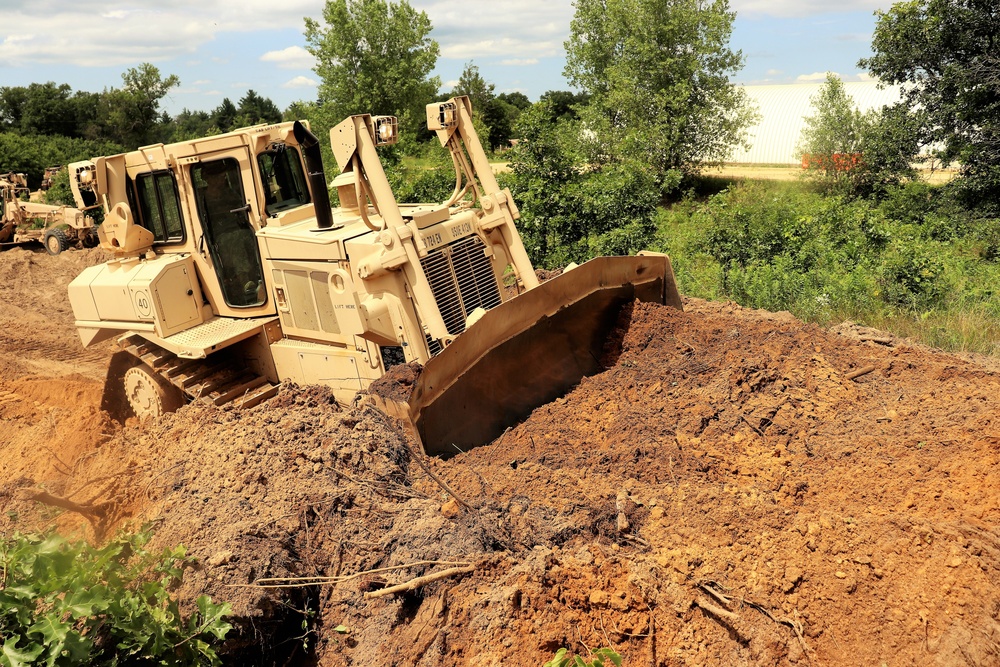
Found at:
<point>565,104</point>
<point>497,114</point>
<point>889,140</point>
<point>908,263</point>
<point>65,603</point>
<point>32,154</point>
<point>471,82</point>
<point>431,179</point>
<point>852,153</point>
<point>657,72</point>
<point>833,130</point>
<point>252,110</point>
<point>47,108</point>
<point>945,50</point>
<point>60,192</point>
<point>561,659</point>
<point>130,115</point>
<point>570,209</point>
<point>373,56</point>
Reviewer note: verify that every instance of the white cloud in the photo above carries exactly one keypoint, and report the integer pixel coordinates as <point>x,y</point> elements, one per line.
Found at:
<point>800,8</point>
<point>523,30</point>
<point>135,30</point>
<point>815,76</point>
<point>294,57</point>
<point>774,72</point>
<point>299,82</point>
<point>820,77</point>
<point>517,62</point>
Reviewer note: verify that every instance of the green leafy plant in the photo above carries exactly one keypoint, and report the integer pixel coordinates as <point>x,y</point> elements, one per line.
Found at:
<point>561,659</point>
<point>68,603</point>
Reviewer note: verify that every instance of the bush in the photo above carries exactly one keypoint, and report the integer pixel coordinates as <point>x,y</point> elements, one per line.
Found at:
<point>31,154</point>
<point>572,209</point>
<point>67,603</point>
<point>912,274</point>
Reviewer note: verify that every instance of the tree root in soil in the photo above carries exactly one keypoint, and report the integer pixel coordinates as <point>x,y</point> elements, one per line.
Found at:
<point>727,617</point>
<point>417,582</point>
<point>302,582</point>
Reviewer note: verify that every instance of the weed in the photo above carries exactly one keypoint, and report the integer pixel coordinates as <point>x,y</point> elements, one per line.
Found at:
<point>561,659</point>
<point>68,603</point>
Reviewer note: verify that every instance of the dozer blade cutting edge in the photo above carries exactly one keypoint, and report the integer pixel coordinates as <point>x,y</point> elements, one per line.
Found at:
<point>530,350</point>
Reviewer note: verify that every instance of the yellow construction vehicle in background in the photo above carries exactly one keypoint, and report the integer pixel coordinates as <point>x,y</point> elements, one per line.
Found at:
<point>233,274</point>
<point>25,222</point>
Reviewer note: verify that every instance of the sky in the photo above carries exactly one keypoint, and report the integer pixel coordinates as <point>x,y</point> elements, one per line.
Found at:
<point>222,48</point>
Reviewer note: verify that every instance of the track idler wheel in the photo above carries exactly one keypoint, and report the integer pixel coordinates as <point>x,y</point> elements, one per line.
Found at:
<point>148,394</point>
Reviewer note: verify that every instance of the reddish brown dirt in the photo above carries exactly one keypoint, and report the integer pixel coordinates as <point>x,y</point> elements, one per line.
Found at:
<point>723,494</point>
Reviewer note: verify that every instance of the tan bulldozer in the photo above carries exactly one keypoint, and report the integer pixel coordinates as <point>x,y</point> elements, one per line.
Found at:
<point>233,274</point>
<point>26,222</point>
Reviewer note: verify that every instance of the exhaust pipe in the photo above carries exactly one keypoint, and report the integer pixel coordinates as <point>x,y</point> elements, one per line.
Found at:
<point>317,179</point>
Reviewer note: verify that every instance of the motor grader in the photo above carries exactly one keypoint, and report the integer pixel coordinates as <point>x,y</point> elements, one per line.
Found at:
<point>232,274</point>
<point>55,227</point>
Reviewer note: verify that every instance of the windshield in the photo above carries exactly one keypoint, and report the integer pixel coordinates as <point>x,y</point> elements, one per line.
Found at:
<point>284,179</point>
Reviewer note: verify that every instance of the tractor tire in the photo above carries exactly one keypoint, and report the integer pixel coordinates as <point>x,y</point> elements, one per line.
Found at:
<point>148,394</point>
<point>55,241</point>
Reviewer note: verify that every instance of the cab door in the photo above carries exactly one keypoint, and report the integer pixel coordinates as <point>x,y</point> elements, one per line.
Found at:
<point>224,200</point>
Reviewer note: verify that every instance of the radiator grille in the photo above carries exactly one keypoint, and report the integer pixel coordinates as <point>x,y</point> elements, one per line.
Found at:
<point>461,278</point>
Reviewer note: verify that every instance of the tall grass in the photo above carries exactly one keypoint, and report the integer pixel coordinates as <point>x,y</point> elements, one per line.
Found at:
<point>913,264</point>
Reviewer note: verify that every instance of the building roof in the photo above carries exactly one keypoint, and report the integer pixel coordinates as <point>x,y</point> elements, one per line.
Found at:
<point>783,109</point>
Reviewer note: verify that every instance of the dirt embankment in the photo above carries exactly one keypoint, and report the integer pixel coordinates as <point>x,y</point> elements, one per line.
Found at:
<point>722,494</point>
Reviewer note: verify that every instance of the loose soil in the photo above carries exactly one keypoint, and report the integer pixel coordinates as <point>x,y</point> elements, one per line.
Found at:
<point>722,494</point>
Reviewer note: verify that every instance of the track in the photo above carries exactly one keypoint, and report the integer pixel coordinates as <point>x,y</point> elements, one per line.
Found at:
<point>219,379</point>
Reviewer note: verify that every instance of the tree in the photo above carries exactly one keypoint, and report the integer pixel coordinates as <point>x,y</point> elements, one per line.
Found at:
<point>857,153</point>
<point>47,108</point>
<point>255,109</point>
<point>472,83</point>
<point>130,115</point>
<point>373,56</point>
<point>945,52</point>
<point>516,99</point>
<point>224,116</point>
<point>493,116</point>
<point>564,103</point>
<point>504,114</point>
<point>572,210</point>
<point>191,125</point>
<point>658,75</point>
<point>831,139</point>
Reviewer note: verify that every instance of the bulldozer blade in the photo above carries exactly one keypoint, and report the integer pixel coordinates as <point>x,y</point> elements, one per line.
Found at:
<point>530,350</point>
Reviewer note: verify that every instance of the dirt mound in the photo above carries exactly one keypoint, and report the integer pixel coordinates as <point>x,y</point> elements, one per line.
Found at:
<point>724,493</point>
<point>37,335</point>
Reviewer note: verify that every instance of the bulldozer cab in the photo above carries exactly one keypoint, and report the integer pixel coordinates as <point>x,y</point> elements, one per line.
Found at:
<point>223,210</point>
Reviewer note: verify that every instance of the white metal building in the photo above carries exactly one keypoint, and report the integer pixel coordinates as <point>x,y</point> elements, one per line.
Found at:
<point>782,110</point>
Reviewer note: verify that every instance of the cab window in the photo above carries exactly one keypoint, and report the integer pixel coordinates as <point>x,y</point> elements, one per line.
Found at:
<point>159,206</point>
<point>284,180</point>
